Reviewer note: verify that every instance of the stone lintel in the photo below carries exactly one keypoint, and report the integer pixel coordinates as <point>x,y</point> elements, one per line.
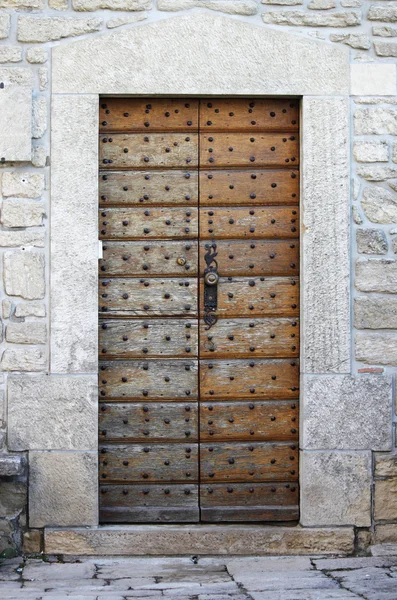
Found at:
<point>173,540</point>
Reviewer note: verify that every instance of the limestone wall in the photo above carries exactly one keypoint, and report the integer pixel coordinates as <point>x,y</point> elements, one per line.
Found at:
<point>29,29</point>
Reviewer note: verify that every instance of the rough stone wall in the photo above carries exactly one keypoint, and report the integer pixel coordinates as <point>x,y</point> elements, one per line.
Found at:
<point>28,31</point>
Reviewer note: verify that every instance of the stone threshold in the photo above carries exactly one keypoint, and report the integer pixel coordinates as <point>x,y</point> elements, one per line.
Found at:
<point>174,540</point>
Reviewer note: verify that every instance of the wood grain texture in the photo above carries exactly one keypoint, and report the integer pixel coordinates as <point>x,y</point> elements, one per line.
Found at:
<point>255,257</point>
<point>256,378</point>
<point>151,503</point>
<point>249,222</point>
<point>246,338</point>
<point>159,297</point>
<point>148,114</point>
<point>150,258</point>
<point>148,381</point>
<point>269,297</point>
<point>147,223</point>
<point>150,463</point>
<point>249,421</point>
<point>249,514</point>
<point>249,114</point>
<point>141,188</point>
<point>137,422</point>
<point>246,462</point>
<point>249,494</point>
<point>155,338</point>
<point>270,187</point>
<point>248,150</point>
<point>158,150</point>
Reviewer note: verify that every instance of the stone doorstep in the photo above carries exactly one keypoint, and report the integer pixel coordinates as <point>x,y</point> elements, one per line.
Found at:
<point>174,540</point>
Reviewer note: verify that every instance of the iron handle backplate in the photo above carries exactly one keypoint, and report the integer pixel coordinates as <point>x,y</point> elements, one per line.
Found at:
<point>211,279</point>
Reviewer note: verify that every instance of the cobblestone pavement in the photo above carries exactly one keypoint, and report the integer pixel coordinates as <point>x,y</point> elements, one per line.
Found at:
<point>203,578</point>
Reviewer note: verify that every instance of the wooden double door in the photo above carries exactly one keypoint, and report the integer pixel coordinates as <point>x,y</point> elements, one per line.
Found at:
<point>198,309</point>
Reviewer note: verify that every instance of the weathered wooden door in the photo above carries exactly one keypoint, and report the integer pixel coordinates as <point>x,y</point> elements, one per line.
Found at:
<point>199,309</point>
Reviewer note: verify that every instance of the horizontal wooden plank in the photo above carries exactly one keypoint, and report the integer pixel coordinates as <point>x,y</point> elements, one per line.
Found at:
<point>256,378</point>
<point>261,223</point>
<point>269,297</point>
<point>151,258</point>
<point>249,113</point>
<point>148,381</point>
<point>249,421</point>
<point>254,257</point>
<point>248,150</point>
<point>159,297</point>
<point>252,514</point>
<point>246,338</point>
<point>249,187</point>
<point>155,222</point>
<point>137,338</point>
<point>148,187</point>
<point>248,462</point>
<point>150,463</point>
<point>134,150</point>
<point>248,495</point>
<point>151,503</point>
<point>137,422</point>
<point>148,114</point>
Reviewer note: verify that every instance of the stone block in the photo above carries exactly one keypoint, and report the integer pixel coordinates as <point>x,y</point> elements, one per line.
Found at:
<point>58,4</point>
<point>380,205</point>
<point>5,24</point>
<point>52,412</point>
<point>373,80</point>
<point>235,68</point>
<point>385,499</point>
<point>371,241</point>
<point>303,19</point>
<point>74,267</point>
<point>18,4</point>
<point>376,173</point>
<point>336,488</point>
<point>32,541</point>
<point>39,117</point>
<point>13,498</point>
<point>394,152</point>
<point>346,412</point>
<point>385,48</point>
<point>47,29</point>
<point>126,20</point>
<point>63,489</point>
<point>232,7</point>
<point>26,333</point>
<point>371,151</point>
<point>11,465</point>
<point>23,359</point>
<point>376,275</point>
<point>321,4</point>
<point>22,213</point>
<point>18,75</point>
<point>15,123</point>
<point>375,312</point>
<point>174,540</point>
<point>23,274</point>
<point>37,55</point>
<point>90,5</point>
<point>384,31</point>
<point>39,156</point>
<point>10,54</point>
<point>325,300</point>
<point>376,348</point>
<point>22,239</point>
<point>30,309</point>
<point>382,13</point>
<point>354,40</point>
<point>22,185</point>
<point>385,534</point>
<point>43,78</point>
<point>283,2</point>
<point>368,121</point>
<point>357,218</point>
<point>385,465</point>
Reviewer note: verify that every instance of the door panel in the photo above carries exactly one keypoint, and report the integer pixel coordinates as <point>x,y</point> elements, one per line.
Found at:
<point>199,310</point>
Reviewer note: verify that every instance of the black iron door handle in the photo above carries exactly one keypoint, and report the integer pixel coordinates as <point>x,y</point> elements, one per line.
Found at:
<point>211,279</point>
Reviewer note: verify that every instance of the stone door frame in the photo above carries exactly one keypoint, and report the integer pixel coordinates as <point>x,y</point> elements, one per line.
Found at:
<point>171,57</point>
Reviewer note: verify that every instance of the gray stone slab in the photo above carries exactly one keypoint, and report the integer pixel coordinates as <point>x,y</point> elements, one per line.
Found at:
<point>346,412</point>
<point>74,245</point>
<point>336,488</point>
<point>241,566</point>
<point>15,123</point>
<point>325,268</point>
<point>52,412</point>
<point>259,61</point>
<point>63,489</point>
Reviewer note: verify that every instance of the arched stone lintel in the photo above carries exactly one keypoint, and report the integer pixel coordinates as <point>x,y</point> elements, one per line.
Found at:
<point>201,54</point>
